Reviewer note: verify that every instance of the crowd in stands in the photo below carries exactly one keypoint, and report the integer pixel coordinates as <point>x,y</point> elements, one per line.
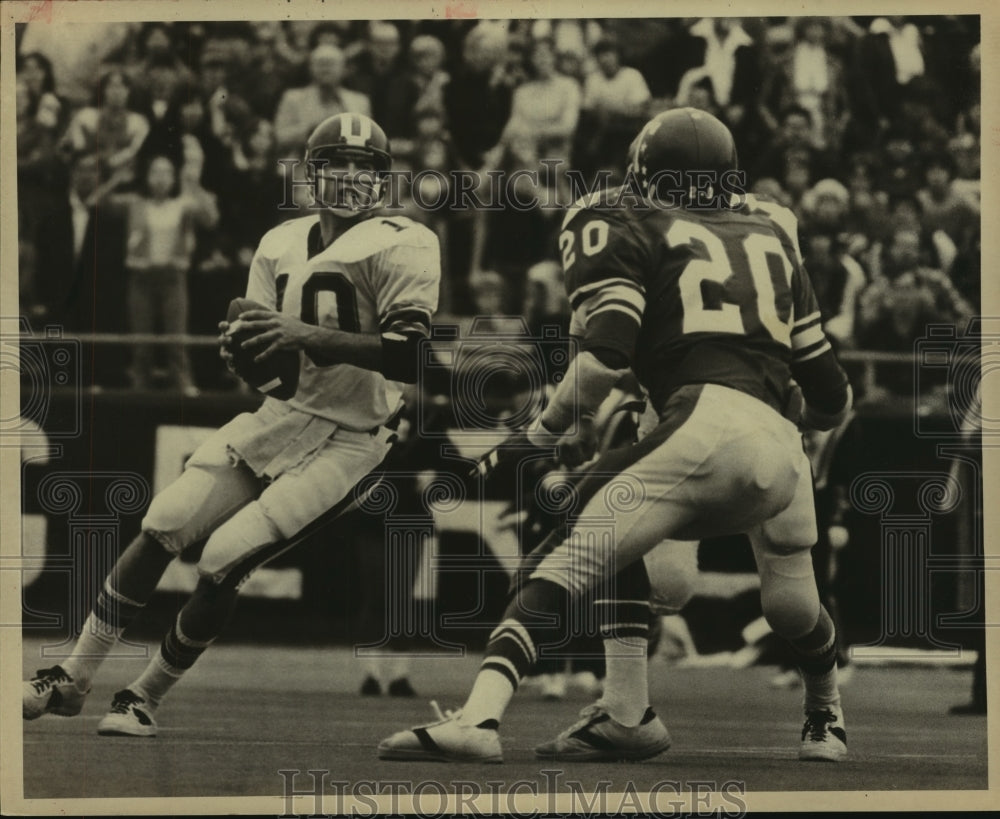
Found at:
<point>149,155</point>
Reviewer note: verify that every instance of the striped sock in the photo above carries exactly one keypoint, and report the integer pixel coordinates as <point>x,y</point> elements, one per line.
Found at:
<point>104,626</point>
<point>180,651</point>
<point>509,655</point>
<point>176,654</point>
<point>536,617</point>
<point>625,631</point>
<point>817,660</point>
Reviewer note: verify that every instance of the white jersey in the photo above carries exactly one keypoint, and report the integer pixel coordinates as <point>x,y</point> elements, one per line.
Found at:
<point>381,271</point>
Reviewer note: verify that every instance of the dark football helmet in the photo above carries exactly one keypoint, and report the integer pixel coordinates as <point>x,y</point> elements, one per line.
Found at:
<point>347,157</point>
<point>677,144</point>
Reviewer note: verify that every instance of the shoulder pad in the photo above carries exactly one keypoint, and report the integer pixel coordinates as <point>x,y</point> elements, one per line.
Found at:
<point>277,239</point>
<point>595,200</point>
<point>380,233</point>
<point>782,216</point>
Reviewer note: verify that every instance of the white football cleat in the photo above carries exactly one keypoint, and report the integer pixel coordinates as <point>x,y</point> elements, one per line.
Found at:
<point>129,716</point>
<point>446,740</point>
<point>823,736</point>
<point>599,737</point>
<point>51,691</point>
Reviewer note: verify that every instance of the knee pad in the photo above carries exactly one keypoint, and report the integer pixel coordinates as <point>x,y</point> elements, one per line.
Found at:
<point>172,517</point>
<point>788,591</point>
<point>673,572</point>
<point>201,498</point>
<point>242,544</point>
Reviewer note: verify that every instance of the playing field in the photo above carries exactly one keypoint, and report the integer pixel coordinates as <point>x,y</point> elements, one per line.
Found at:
<point>246,712</point>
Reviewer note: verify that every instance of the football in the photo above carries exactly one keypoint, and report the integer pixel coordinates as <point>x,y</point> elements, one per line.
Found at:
<point>276,376</point>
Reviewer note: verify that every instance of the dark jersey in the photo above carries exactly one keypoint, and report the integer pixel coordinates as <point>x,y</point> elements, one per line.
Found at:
<point>718,296</point>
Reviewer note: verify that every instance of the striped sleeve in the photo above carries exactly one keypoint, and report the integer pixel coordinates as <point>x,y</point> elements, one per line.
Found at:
<point>610,295</point>
<point>603,261</point>
<point>814,364</point>
<point>808,338</point>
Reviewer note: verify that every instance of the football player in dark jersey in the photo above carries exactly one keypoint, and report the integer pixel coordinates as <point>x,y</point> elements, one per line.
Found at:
<point>704,295</point>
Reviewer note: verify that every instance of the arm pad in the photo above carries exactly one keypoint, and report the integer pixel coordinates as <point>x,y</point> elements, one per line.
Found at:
<point>401,356</point>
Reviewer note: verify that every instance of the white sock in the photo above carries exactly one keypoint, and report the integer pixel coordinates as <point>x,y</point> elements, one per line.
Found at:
<point>154,683</point>
<point>491,693</point>
<point>821,689</point>
<point>92,646</point>
<point>626,687</point>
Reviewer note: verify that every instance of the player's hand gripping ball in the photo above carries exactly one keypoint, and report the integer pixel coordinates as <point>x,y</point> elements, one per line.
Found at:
<point>277,375</point>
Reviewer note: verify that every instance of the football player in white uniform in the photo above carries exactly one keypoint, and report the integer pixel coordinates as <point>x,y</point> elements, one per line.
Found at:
<point>351,293</point>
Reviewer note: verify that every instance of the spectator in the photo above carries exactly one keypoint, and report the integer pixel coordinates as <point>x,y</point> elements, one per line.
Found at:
<point>729,60</point>
<point>271,70</point>
<point>700,96</point>
<point>196,139</point>
<point>794,143</point>
<point>809,76</point>
<point>615,104</point>
<point>477,103</point>
<point>160,104</point>
<point>426,62</point>
<point>38,170</point>
<point>160,241</point>
<point>895,310</point>
<point>888,57</point>
<point>899,172</point>
<point>868,208</point>
<point>906,261</point>
<point>44,105</point>
<point>614,89</point>
<point>838,281</point>
<point>936,247</point>
<point>80,259</point>
<point>944,208</point>
<point>227,114</point>
<point>965,151</point>
<point>478,98</point>
<point>37,177</point>
<point>109,127</point>
<point>546,109</point>
<point>796,181</point>
<point>329,32</point>
<point>825,206</point>
<point>159,71</point>
<point>255,190</point>
<point>302,109</point>
<point>521,232</point>
<point>75,60</point>
<point>377,73</point>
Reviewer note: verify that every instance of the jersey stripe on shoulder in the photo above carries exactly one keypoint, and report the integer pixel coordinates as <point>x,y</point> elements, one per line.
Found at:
<point>584,291</point>
<point>781,216</point>
<point>589,200</point>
